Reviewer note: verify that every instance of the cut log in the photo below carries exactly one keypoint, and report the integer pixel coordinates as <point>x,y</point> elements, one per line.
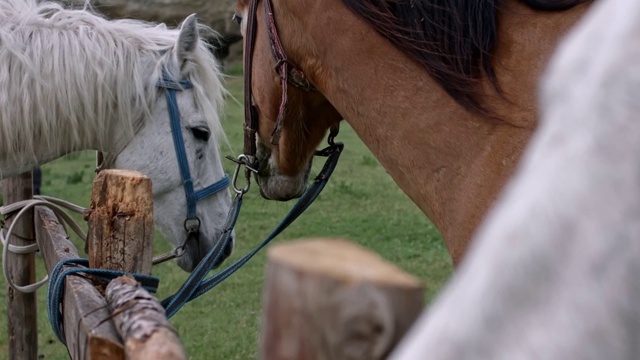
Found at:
<point>332,299</point>
<point>120,235</point>
<point>141,321</point>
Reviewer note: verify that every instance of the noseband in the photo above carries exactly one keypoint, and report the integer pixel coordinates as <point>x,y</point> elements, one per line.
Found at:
<point>287,71</point>
<point>191,222</point>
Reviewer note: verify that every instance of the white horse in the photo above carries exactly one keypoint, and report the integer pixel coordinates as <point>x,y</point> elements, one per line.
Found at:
<point>72,80</point>
<point>555,270</point>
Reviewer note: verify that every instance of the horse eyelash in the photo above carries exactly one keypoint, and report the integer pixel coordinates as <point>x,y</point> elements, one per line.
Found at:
<point>237,18</point>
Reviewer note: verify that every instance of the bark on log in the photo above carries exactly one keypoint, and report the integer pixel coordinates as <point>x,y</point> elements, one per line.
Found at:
<point>141,321</point>
<point>331,299</point>
<point>120,235</point>
<point>21,308</point>
<point>87,334</point>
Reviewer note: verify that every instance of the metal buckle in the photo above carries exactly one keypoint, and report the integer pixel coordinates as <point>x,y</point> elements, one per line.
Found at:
<point>192,225</point>
<point>242,160</point>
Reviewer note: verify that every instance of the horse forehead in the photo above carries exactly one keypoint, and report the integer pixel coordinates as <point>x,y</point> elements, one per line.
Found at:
<point>187,100</point>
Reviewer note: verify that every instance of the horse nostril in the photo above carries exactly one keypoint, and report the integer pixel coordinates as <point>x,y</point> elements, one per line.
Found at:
<point>228,248</point>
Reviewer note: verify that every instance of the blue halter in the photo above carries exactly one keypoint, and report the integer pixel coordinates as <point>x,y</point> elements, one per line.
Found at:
<point>192,222</point>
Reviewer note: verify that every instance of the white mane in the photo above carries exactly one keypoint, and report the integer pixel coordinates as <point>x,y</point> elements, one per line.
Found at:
<point>69,77</point>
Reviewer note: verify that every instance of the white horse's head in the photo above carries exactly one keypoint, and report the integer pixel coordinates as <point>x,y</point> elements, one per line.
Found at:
<point>153,151</point>
<point>73,80</point>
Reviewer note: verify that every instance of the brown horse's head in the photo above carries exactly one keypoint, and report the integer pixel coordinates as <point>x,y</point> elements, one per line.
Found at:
<point>284,167</point>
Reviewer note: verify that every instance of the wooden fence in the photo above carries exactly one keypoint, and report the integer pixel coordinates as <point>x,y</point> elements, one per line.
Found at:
<point>21,307</point>
<point>323,298</point>
<point>119,238</point>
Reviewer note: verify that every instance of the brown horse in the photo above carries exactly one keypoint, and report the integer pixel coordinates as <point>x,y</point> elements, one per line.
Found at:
<point>442,92</point>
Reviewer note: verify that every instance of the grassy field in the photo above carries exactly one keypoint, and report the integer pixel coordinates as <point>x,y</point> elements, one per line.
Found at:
<point>360,203</point>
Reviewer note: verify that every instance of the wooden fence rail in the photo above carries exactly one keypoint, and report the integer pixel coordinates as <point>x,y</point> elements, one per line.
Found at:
<point>119,238</point>
<point>323,298</point>
<point>86,333</point>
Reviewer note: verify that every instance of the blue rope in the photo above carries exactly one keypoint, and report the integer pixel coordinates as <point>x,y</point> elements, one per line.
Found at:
<point>55,289</point>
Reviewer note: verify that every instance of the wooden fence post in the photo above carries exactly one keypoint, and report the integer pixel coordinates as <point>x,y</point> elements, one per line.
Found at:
<point>120,238</point>
<point>332,299</point>
<point>21,308</point>
<point>120,233</point>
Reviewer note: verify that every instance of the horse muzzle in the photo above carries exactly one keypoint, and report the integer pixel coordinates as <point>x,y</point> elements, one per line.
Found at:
<point>197,248</point>
<point>273,184</point>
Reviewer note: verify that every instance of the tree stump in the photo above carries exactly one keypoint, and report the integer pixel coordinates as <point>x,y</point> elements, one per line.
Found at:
<point>332,299</point>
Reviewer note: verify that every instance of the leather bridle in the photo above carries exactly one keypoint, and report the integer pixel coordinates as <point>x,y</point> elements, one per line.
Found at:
<point>287,71</point>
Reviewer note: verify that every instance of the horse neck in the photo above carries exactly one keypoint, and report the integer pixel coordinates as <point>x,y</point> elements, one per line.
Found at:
<point>450,162</point>
<point>45,149</point>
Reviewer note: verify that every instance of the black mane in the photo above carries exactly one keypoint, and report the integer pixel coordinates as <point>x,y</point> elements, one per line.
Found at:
<point>452,39</point>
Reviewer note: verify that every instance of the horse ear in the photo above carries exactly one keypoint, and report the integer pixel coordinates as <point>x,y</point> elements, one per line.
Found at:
<point>187,40</point>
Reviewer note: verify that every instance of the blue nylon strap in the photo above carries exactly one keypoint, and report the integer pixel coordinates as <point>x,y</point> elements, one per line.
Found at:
<point>167,83</point>
<point>175,302</point>
<point>192,196</point>
<point>212,189</point>
<point>55,289</point>
<point>196,285</point>
<point>307,198</point>
<point>178,143</point>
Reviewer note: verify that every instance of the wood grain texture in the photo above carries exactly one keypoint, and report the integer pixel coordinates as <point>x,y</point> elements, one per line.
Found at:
<point>87,334</point>
<point>120,235</point>
<point>332,299</point>
<point>21,308</point>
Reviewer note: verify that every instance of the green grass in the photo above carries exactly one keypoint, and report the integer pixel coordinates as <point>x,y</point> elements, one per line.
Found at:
<point>360,203</point>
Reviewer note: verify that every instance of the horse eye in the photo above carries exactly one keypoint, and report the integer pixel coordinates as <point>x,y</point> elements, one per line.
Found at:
<point>201,133</point>
<point>237,18</point>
